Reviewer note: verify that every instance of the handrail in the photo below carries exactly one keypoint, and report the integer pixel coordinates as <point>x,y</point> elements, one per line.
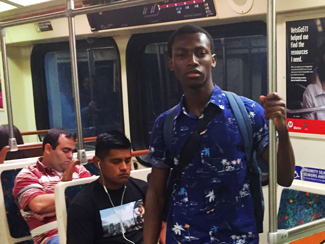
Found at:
<point>139,153</point>
<point>272,87</point>
<point>6,149</point>
<point>304,230</point>
<point>36,132</point>
<point>27,146</point>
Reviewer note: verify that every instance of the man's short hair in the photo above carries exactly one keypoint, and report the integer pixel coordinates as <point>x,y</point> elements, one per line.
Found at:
<point>52,137</point>
<point>187,29</point>
<point>110,140</point>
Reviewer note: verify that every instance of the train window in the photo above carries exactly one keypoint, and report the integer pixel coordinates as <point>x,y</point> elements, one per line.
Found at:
<point>241,68</point>
<point>99,86</point>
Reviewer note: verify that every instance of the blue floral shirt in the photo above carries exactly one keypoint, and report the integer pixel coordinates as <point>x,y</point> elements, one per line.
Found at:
<point>213,202</point>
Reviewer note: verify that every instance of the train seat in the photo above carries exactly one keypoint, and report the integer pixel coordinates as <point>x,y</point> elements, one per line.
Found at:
<point>13,228</point>
<point>62,192</point>
<point>299,207</point>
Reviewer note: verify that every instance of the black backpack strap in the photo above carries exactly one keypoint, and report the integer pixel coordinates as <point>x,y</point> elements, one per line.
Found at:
<point>186,153</point>
<point>193,140</point>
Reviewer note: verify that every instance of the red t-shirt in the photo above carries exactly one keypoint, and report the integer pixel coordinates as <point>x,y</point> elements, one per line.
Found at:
<point>37,180</point>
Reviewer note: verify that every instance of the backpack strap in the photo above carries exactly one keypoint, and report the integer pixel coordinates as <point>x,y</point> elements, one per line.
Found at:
<point>169,126</point>
<point>245,127</point>
<point>253,171</point>
<point>193,141</point>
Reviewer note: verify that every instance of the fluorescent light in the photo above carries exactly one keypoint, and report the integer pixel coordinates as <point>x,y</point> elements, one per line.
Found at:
<point>4,6</point>
<point>28,2</point>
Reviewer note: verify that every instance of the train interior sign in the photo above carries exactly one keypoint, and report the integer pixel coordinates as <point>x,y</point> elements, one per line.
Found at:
<point>306,76</point>
<point>164,11</point>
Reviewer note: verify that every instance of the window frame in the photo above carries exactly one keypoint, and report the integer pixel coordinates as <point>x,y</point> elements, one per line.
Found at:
<point>39,76</point>
<point>135,49</point>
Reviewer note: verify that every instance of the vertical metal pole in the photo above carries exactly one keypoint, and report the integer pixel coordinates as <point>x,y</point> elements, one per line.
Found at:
<point>12,140</point>
<point>272,87</point>
<point>75,84</point>
<point>224,54</point>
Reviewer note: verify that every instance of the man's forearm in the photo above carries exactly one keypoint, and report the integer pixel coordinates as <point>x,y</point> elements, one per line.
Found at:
<point>286,160</point>
<point>153,217</point>
<point>43,204</point>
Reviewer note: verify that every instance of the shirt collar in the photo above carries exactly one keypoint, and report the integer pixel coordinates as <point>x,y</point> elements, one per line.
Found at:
<point>216,98</point>
<point>42,168</point>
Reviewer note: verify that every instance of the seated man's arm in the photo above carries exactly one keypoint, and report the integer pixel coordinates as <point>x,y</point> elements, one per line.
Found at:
<point>275,109</point>
<point>42,204</point>
<point>155,200</point>
<point>30,194</point>
<point>81,227</point>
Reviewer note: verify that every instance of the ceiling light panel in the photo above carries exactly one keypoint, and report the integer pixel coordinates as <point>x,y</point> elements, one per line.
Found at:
<point>28,2</point>
<point>4,6</point>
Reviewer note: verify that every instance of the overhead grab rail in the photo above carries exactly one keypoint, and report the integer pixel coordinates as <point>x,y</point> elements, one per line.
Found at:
<point>279,236</point>
<point>74,12</point>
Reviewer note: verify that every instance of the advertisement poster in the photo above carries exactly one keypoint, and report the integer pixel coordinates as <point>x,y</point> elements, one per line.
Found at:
<point>306,76</point>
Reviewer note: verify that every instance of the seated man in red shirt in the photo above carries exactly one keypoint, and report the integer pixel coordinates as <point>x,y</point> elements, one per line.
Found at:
<point>34,185</point>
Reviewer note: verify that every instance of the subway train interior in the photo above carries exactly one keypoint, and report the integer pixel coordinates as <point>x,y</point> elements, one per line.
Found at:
<point>124,83</point>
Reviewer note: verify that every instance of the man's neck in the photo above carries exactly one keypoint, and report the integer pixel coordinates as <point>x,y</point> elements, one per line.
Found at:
<point>196,99</point>
<point>45,161</point>
<point>110,186</point>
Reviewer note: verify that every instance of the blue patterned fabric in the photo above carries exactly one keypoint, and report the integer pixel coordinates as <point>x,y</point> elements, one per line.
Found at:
<point>213,203</point>
<point>299,207</point>
<point>17,225</point>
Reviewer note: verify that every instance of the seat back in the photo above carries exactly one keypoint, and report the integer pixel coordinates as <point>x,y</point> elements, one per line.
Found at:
<point>300,205</point>
<point>60,198</point>
<point>13,227</point>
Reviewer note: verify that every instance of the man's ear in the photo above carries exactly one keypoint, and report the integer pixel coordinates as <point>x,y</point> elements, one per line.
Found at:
<point>96,161</point>
<point>170,64</point>
<point>214,60</point>
<point>47,148</point>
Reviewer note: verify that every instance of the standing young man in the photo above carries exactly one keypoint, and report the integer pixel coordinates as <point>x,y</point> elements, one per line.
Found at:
<point>212,203</point>
<point>34,185</point>
<point>109,210</point>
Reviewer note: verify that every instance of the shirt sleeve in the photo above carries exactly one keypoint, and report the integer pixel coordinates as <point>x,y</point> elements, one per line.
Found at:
<point>26,188</point>
<point>83,172</point>
<point>81,226</point>
<point>158,155</point>
<point>307,102</point>
<point>259,124</point>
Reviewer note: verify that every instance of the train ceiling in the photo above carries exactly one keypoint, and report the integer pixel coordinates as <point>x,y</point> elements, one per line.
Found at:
<point>12,4</point>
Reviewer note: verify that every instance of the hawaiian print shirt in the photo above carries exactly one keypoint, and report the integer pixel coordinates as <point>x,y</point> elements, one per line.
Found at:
<point>213,203</point>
